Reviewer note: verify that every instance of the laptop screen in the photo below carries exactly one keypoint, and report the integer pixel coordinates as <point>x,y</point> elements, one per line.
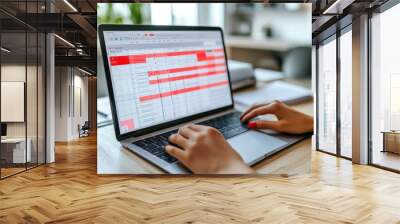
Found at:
<point>161,76</point>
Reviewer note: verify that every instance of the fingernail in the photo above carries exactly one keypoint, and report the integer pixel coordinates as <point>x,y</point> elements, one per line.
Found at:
<point>252,124</point>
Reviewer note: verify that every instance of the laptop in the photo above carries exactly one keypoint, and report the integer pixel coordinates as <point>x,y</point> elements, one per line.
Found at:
<point>162,77</point>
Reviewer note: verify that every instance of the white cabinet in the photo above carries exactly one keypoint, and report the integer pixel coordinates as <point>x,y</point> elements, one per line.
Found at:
<point>15,148</point>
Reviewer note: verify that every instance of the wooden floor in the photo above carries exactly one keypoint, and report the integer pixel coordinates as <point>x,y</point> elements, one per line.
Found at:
<point>69,191</point>
<point>387,159</point>
<point>5,172</point>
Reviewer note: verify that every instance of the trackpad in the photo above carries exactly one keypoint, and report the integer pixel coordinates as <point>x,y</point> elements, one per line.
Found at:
<point>253,145</point>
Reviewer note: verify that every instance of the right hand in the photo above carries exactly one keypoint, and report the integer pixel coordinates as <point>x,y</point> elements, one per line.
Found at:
<point>289,120</point>
<point>204,150</point>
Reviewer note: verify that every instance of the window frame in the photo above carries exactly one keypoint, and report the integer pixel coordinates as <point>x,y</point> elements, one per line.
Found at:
<point>333,37</point>
<point>27,29</point>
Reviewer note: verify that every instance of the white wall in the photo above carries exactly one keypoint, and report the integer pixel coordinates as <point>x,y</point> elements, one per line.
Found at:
<point>81,84</point>
<point>12,73</point>
<point>61,103</point>
<point>69,82</point>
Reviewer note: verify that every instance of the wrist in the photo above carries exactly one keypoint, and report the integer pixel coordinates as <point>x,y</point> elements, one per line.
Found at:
<point>310,124</point>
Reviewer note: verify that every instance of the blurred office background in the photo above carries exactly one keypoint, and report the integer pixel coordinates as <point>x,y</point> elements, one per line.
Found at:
<point>47,79</point>
<point>275,37</point>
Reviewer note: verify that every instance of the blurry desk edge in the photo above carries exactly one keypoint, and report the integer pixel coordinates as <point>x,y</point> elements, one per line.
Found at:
<point>112,158</point>
<point>272,44</point>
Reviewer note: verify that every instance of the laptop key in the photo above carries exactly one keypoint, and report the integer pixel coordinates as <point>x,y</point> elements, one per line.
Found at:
<point>156,146</point>
<point>167,158</point>
<point>229,125</point>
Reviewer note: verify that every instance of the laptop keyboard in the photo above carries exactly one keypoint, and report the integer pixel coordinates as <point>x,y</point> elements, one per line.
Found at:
<point>229,125</point>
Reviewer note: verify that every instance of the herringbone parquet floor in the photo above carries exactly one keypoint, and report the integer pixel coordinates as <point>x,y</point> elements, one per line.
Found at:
<point>69,191</point>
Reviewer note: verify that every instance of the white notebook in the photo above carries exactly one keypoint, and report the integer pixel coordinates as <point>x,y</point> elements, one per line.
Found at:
<point>103,111</point>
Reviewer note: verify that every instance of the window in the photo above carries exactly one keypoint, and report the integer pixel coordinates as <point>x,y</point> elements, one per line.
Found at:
<point>185,14</point>
<point>174,14</point>
<point>334,106</point>
<point>385,89</point>
<point>161,14</point>
<point>327,97</point>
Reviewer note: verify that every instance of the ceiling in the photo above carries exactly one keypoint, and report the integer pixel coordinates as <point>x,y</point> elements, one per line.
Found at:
<point>332,15</point>
<point>75,21</point>
<point>76,24</point>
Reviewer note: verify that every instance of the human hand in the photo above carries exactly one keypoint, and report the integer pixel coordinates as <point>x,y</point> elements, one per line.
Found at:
<point>289,120</point>
<point>204,150</point>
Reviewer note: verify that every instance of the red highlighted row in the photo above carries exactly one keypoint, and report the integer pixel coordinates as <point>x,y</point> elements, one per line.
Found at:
<point>203,56</point>
<point>134,59</point>
<point>191,76</point>
<point>125,60</point>
<point>184,69</point>
<point>180,91</point>
<point>128,123</point>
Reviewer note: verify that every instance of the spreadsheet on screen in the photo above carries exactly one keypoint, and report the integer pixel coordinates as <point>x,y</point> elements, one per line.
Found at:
<point>160,76</point>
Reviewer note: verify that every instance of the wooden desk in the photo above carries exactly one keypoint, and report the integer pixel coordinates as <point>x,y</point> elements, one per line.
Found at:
<point>391,141</point>
<point>112,158</point>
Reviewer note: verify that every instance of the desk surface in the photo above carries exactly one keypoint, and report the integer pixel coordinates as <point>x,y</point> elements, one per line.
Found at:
<point>112,158</point>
